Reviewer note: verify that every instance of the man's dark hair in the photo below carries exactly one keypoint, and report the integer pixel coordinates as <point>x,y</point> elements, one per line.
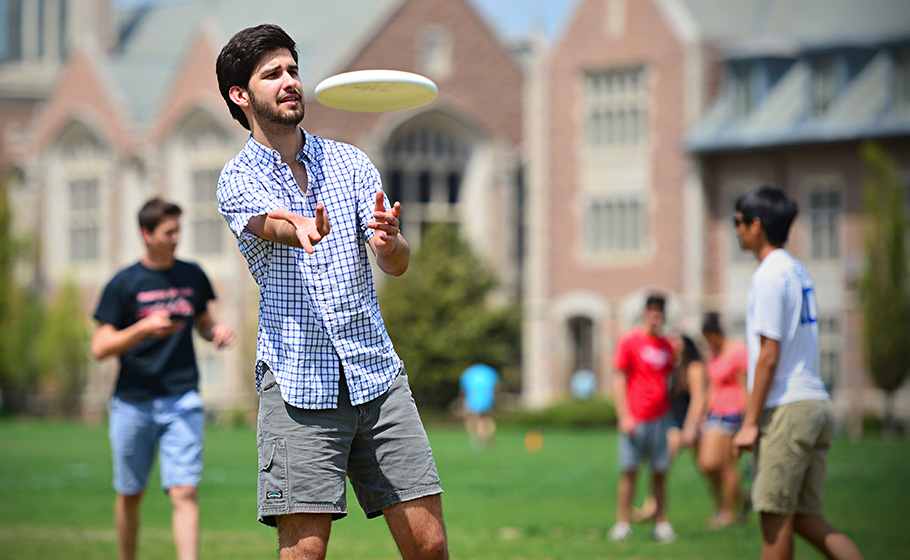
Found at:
<point>711,323</point>
<point>656,300</point>
<point>155,211</point>
<point>240,56</point>
<point>773,207</point>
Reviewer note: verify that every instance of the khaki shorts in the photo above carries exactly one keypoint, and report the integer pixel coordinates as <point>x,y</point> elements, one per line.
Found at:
<point>305,455</point>
<point>790,473</point>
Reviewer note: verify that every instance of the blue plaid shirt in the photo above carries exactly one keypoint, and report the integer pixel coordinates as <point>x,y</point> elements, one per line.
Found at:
<point>313,308</point>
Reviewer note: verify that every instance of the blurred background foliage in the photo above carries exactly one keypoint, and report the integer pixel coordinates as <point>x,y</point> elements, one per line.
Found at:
<point>885,284</point>
<point>45,337</point>
<point>442,317</point>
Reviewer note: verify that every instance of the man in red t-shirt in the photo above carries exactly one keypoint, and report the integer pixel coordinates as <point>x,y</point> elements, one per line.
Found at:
<point>643,360</point>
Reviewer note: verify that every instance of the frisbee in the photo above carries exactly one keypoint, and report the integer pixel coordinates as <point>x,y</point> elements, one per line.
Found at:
<point>373,91</point>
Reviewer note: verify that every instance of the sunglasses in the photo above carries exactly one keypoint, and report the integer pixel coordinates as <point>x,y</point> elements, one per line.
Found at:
<point>737,221</point>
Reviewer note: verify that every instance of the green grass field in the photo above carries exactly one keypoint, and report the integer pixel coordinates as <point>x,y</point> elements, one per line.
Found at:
<point>503,503</point>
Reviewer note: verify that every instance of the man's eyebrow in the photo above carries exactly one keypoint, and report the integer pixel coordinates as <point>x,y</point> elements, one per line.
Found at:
<point>266,70</point>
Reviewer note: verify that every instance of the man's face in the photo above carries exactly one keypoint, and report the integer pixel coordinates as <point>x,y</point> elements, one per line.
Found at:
<point>162,241</point>
<point>746,231</point>
<point>276,95</point>
<point>654,317</point>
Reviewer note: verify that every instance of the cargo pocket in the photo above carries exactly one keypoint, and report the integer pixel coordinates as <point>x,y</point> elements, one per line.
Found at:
<point>273,480</point>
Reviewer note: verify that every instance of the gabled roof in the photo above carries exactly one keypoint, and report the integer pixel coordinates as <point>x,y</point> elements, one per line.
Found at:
<point>740,24</point>
<point>154,39</point>
<point>861,110</point>
<point>793,31</point>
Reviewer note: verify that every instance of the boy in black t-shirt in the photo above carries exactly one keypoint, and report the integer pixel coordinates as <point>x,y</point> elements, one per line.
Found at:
<point>146,317</point>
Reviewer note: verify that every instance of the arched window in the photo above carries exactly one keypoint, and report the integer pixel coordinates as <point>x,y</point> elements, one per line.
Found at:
<point>581,337</point>
<point>425,160</point>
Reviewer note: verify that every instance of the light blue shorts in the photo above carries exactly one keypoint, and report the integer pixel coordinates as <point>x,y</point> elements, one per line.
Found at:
<point>647,442</point>
<point>172,424</point>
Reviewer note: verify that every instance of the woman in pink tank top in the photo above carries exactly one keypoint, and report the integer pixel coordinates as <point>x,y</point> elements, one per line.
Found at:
<point>726,404</point>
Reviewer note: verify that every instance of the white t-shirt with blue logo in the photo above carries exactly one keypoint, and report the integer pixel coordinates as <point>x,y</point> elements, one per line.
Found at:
<point>782,307</point>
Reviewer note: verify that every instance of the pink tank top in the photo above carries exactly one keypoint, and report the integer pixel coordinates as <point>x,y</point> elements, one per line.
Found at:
<point>724,373</point>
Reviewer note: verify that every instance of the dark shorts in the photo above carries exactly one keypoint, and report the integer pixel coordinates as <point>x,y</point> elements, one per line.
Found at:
<point>679,408</point>
<point>305,455</point>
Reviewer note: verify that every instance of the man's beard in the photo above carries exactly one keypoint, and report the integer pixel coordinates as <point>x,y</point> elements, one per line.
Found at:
<point>268,115</point>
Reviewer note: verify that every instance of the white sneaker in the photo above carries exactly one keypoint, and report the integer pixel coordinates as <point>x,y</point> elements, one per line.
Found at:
<point>619,532</point>
<point>664,533</point>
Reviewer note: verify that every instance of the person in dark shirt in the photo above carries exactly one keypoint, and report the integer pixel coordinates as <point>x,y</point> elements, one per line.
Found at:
<point>146,317</point>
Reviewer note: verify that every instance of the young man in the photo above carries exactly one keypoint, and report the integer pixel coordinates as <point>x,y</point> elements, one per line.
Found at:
<point>146,317</point>
<point>334,396</point>
<point>643,360</point>
<point>788,420</point>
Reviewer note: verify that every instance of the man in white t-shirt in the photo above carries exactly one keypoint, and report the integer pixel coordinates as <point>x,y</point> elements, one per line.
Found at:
<point>788,410</point>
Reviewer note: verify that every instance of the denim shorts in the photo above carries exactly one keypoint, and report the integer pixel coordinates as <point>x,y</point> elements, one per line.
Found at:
<point>727,424</point>
<point>305,456</point>
<point>648,441</point>
<point>173,424</point>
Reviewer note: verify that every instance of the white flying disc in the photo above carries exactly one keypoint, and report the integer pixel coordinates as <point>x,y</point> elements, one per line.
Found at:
<point>376,91</point>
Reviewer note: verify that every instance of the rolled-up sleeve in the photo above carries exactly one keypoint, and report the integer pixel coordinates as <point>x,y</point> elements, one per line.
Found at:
<point>241,196</point>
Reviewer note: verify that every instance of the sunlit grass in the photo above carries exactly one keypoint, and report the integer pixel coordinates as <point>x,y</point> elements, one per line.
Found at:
<point>501,503</point>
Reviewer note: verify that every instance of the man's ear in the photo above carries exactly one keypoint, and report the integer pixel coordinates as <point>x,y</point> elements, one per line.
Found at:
<point>239,96</point>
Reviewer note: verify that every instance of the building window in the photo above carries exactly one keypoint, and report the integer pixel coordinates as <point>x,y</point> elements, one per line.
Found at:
<point>823,87</point>
<point>435,53</point>
<point>425,161</point>
<point>824,223</point>
<point>615,107</point>
<point>901,86</point>
<point>207,224</point>
<point>581,334</point>
<point>745,90</point>
<point>829,344</point>
<point>84,217</point>
<point>11,35</point>
<point>614,225</point>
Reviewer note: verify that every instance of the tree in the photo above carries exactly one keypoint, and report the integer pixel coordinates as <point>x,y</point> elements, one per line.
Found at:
<point>884,288</point>
<point>21,317</point>
<point>63,350</point>
<point>43,350</point>
<point>439,316</point>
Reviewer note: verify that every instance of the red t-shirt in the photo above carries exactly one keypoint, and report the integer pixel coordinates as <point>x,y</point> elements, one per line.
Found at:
<point>724,372</point>
<point>647,361</point>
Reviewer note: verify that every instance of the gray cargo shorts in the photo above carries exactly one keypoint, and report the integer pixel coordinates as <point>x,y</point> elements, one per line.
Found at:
<point>305,455</point>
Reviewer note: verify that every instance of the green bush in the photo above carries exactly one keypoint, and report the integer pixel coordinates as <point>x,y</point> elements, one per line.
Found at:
<point>594,413</point>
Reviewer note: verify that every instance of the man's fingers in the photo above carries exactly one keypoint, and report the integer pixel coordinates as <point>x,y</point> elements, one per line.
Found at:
<point>380,197</point>
<point>322,220</point>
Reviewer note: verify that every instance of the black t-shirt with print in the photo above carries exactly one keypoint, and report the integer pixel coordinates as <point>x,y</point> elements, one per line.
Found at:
<point>156,367</point>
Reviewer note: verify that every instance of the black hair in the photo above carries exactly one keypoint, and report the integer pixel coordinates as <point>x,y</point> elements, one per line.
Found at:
<point>711,323</point>
<point>773,207</point>
<point>656,300</point>
<point>690,351</point>
<point>155,211</point>
<point>239,57</point>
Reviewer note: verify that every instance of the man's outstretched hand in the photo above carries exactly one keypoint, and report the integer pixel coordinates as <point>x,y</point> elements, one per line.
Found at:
<point>309,231</point>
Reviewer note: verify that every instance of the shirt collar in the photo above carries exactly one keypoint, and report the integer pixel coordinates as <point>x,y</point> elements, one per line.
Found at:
<point>267,157</point>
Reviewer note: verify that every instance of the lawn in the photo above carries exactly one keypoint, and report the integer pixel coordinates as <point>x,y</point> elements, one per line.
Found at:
<point>502,503</point>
